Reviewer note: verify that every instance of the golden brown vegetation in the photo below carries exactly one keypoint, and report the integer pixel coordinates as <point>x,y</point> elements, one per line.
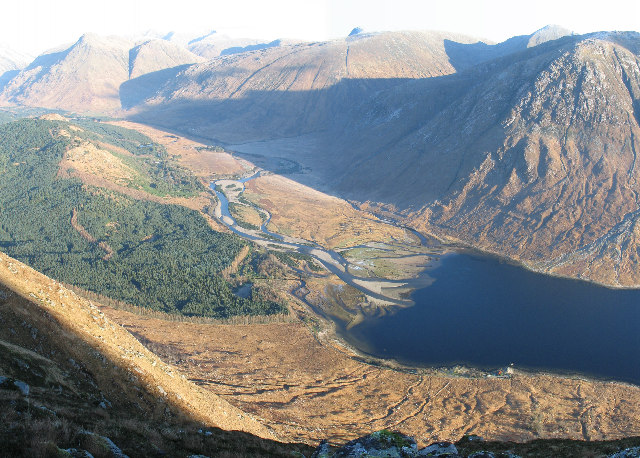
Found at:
<point>83,323</point>
<point>303,212</point>
<point>205,164</point>
<point>307,390</point>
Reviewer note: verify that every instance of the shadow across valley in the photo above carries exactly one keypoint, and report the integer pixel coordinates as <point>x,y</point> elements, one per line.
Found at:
<point>398,141</point>
<point>347,140</point>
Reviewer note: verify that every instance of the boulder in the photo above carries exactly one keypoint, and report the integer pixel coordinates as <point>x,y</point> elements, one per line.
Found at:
<point>379,444</point>
<point>439,449</point>
<point>633,452</point>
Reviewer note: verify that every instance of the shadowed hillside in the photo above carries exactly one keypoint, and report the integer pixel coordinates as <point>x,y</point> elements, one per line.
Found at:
<point>291,90</point>
<point>69,377</point>
<point>531,154</point>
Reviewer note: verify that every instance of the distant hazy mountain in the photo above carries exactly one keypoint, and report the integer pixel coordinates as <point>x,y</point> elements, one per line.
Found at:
<point>214,45</point>
<point>12,60</point>
<point>10,63</point>
<point>155,55</point>
<point>84,77</point>
<point>548,33</point>
<point>288,90</point>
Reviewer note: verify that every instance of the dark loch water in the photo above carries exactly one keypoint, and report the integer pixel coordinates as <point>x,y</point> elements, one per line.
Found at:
<point>483,313</point>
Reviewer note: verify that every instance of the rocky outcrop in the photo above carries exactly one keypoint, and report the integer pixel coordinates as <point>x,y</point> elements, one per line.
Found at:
<point>393,444</point>
<point>532,156</point>
<point>378,444</point>
<point>632,452</point>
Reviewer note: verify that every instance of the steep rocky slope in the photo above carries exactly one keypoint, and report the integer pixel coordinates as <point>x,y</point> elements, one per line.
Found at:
<point>532,155</point>
<point>155,55</point>
<point>69,376</point>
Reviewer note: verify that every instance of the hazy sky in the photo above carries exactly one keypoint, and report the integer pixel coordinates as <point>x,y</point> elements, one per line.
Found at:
<point>36,25</point>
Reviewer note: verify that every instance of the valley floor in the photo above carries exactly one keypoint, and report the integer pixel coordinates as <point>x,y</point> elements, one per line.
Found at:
<point>306,386</point>
<point>307,390</point>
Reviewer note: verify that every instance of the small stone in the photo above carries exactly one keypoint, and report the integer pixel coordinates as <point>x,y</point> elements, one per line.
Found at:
<point>103,444</point>
<point>439,449</point>
<point>23,387</point>
<point>633,452</point>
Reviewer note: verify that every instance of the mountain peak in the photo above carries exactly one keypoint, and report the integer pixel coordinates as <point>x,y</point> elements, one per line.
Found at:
<point>158,54</point>
<point>88,38</point>
<point>548,33</point>
<point>356,31</point>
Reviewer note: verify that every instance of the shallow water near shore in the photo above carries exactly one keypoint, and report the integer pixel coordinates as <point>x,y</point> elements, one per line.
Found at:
<point>484,313</point>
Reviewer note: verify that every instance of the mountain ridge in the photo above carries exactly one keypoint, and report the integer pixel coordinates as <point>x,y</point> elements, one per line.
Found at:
<point>525,136</point>
<point>458,135</point>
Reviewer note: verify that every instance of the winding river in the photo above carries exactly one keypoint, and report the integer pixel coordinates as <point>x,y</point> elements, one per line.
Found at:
<point>330,259</point>
<point>481,312</point>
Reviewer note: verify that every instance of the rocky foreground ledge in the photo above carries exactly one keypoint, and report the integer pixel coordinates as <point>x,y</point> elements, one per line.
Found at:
<point>392,444</point>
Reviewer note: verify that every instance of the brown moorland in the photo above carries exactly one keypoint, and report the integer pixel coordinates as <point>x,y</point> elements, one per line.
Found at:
<point>300,211</point>
<point>205,163</point>
<point>79,376</point>
<point>307,390</point>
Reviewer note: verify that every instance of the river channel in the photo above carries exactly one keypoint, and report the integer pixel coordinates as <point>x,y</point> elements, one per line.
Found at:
<point>481,312</point>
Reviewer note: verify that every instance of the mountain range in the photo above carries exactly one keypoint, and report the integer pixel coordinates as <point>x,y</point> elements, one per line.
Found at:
<point>10,63</point>
<point>525,148</point>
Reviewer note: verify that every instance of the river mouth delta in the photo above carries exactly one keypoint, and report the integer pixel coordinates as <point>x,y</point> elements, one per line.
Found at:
<point>465,309</point>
